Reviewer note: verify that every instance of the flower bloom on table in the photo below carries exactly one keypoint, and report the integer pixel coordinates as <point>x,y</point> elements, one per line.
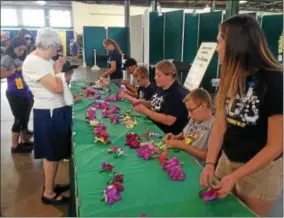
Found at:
<point>132,140</point>
<point>113,98</point>
<point>106,167</point>
<point>114,109</point>
<point>91,113</point>
<point>114,119</point>
<point>116,151</point>
<point>111,194</point>
<point>94,122</point>
<point>208,194</point>
<point>174,169</point>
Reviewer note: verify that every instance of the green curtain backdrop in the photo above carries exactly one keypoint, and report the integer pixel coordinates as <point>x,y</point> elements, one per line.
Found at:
<point>208,31</point>
<point>156,29</point>
<point>173,34</point>
<point>272,26</point>
<point>93,39</point>
<point>121,36</point>
<point>190,37</point>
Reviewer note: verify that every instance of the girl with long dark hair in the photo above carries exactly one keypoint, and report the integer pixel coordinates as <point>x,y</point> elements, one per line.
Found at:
<point>17,94</point>
<point>28,37</point>
<point>249,118</point>
<point>30,43</point>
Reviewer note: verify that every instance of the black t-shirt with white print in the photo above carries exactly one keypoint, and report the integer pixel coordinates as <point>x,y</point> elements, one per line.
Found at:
<point>247,117</point>
<point>170,102</point>
<point>146,92</point>
<point>117,57</point>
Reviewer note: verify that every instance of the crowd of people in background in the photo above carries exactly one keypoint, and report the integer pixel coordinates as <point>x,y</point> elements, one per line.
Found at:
<point>246,131</point>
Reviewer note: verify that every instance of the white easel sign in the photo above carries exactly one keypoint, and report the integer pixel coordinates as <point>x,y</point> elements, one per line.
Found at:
<point>200,65</point>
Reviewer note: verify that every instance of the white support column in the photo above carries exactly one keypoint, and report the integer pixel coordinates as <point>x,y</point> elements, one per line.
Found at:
<point>20,16</point>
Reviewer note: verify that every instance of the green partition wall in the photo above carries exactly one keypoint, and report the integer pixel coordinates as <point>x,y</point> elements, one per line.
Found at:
<point>156,37</point>
<point>190,37</point>
<point>121,36</point>
<point>174,23</point>
<point>272,26</point>
<point>93,39</point>
<point>208,31</point>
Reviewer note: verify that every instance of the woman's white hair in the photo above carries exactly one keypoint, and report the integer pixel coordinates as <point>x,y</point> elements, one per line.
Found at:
<point>46,38</point>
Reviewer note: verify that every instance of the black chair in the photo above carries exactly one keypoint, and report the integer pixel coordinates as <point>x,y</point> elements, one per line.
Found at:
<point>182,69</point>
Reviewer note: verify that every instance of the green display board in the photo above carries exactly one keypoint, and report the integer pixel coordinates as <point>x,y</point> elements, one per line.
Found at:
<point>174,23</point>
<point>156,38</point>
<point>272,26</point>
<point>208,31</point>
<point>93,39</point>
<point>190,37</point>
<point>121,36</point>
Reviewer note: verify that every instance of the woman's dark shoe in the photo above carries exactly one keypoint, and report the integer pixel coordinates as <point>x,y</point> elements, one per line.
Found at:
<point>54,200</point>
<point>30,133</point>
<point>20,149</point>
<point>28,143</point>
<point>58,189</point>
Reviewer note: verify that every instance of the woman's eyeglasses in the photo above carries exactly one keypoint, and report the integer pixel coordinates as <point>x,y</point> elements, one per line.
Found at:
<point>28,39</point>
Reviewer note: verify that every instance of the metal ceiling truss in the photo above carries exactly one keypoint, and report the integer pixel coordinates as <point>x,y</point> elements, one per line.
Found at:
<point>250,5</point>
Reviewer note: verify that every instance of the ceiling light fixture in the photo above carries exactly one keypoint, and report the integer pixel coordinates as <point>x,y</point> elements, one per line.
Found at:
<point>243,2</point>
<point>41,2</point>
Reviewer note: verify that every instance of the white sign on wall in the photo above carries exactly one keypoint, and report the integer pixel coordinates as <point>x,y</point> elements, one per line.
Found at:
<point>200,65</point>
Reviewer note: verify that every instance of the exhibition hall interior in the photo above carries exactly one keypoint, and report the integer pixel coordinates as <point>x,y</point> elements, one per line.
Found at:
<point>142,108</point>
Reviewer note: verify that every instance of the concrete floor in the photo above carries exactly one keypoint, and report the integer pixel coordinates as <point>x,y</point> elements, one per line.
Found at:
<point>22,175</point>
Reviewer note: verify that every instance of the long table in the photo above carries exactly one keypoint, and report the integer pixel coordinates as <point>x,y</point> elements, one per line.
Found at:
<point>147,187</point>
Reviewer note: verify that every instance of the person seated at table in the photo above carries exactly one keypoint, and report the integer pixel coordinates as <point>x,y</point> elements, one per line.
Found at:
<point>145,89</point>
<point>166,107</point>
<point>115,61</point>
<point>130,65</point>
<point>194,137</point>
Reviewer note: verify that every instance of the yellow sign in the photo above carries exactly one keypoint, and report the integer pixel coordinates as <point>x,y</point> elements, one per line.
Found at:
<point>62,35</point>
<point>19,83</point>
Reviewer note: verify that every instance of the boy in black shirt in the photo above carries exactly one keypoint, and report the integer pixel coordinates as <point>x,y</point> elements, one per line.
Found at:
<point>145,88</point>
<point>130,66</point>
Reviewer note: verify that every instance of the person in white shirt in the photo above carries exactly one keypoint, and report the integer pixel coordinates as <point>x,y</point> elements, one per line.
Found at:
<point>52,117</point>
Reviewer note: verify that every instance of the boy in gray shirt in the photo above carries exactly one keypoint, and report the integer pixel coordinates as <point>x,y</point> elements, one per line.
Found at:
<point>194,137</point>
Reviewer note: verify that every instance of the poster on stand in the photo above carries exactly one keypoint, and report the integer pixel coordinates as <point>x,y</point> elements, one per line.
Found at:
<point>200,65</point>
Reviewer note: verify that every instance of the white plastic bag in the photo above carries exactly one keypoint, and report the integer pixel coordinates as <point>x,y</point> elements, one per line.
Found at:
<point>68,97</point>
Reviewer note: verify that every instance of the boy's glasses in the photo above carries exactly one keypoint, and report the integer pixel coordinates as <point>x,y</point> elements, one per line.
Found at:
<point>193,109</point>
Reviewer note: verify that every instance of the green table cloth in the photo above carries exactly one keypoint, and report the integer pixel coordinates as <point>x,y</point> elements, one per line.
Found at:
<point>148,189</point>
